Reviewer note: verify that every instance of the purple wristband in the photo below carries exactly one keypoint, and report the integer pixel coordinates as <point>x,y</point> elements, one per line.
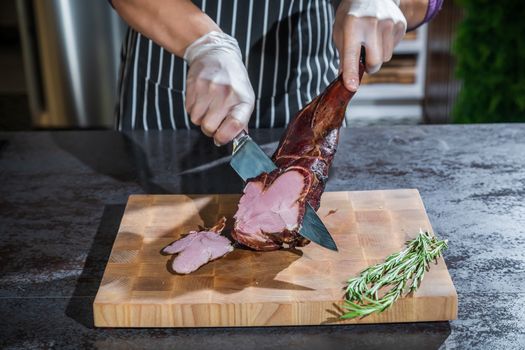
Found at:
<point>432,10</point>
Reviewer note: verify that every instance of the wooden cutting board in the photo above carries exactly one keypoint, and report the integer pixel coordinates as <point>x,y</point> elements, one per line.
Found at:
<point>248,288</point>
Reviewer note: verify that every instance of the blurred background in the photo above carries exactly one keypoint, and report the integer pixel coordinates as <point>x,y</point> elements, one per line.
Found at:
<point>59,61</point>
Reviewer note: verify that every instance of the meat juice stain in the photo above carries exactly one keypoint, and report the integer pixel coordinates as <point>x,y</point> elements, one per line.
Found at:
<point>330,212</point>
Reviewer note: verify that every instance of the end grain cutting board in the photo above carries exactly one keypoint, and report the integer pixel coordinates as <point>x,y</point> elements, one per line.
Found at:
<point>248,288</point>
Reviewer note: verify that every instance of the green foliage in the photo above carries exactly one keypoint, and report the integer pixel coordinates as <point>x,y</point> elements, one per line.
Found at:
<point>490,54</point>
<point>400,274</point>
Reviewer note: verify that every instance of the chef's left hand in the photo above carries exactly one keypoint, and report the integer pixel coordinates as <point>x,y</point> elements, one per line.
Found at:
<point>378,25</point>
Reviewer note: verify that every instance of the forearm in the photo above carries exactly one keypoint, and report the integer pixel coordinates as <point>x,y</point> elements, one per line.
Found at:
<point>419,11</point>
<point>173,24</point>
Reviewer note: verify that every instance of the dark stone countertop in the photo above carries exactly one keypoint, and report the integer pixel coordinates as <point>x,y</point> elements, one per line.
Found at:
<point>62,195</point>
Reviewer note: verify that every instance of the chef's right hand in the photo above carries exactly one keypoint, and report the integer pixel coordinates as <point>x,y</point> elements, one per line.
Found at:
<point>219,96</point>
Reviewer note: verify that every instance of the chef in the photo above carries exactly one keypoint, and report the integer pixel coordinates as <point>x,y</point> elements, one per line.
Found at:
<point>226,65</point>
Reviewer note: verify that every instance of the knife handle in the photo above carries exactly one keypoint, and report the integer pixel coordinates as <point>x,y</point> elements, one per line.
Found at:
<point>239,140</point>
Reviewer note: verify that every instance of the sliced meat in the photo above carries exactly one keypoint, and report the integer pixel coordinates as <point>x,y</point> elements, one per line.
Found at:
<point>198,248</point>
<point>272,207</point>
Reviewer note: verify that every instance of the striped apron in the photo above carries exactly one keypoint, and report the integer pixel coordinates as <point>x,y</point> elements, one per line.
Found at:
<point>286,46</point>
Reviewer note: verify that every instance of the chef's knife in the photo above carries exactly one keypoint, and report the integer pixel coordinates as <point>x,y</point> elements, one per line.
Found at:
<point>249,160</point>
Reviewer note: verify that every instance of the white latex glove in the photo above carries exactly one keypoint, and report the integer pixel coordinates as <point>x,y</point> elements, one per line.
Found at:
<point>219,96</point>
<point>378,25</point>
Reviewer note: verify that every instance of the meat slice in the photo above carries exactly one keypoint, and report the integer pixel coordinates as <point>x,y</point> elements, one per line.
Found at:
<point>198,248</point>
<point>271,205</point>
<point>271,210</point>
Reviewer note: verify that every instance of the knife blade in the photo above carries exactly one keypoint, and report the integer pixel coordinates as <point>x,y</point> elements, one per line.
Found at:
<point>249,160</point>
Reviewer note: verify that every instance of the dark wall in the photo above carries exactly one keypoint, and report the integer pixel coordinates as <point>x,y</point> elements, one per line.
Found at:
<point>14,104</point>
<point>441,87</point>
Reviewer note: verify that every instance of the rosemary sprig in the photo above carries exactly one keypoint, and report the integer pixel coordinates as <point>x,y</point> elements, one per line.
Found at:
<point>401,273</point>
